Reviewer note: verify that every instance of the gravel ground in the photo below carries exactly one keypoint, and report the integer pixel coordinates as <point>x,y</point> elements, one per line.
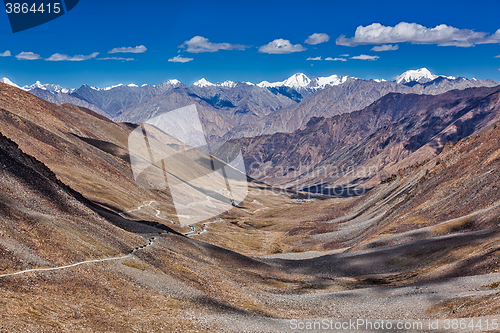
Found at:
<point>378,303</point>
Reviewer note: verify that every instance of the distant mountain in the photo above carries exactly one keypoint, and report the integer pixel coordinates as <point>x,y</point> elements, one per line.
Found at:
<point>422,75</point>
<point>226,84</point>
<point>61,98</point>
<point>245,109</point>
<point>109,101</point>
<point>396,131</point>
<point>115,99</point>
<point>53,88</point>
<point>352,95</point>
<point>250,111</point>
<point>221,107</point>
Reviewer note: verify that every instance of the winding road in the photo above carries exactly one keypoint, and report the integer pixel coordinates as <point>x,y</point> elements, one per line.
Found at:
<point>204,228</point>
<point>146,204</point>
<point>150,242</point>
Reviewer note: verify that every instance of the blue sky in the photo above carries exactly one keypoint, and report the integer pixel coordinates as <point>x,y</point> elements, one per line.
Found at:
<point>232,35</point>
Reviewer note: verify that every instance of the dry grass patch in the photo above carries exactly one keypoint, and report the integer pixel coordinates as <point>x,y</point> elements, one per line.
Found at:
<point>135,264</point>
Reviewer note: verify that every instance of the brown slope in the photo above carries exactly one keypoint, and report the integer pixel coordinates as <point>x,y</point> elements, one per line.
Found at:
<point>429,222</point>
<point>85,150</point>
<point>45,223</point>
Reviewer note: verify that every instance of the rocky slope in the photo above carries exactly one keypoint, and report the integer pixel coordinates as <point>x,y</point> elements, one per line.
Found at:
<point>85,150</point>
<point>43,222</point>
<point>364,146</point>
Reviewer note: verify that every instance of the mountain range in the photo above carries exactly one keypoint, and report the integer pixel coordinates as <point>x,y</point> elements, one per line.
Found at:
<point>243,109</point>
<point>366,146</point>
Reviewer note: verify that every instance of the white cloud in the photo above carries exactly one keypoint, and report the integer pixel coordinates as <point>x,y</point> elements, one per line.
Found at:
<point>335,59</point>
<point>385,47</point>
<point>317,39</point>
<point>365,57</point>
<point>281,46</point>
<point>180,59</point>
<point>344,55</point>
<point>5,54</point>
<point>314,59</point>
<point>199,44</point>
<point>498,56</point>
<point>28,56</point>
<point>442,35</point>
<point>137,49</point>
<point>64,57</point>
<point>117,58</point>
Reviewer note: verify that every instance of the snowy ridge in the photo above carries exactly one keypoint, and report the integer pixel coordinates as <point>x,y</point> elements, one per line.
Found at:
<point>300,81</point>
<point>203,83</point>
<point>421,75</point>
<point>226,84</point>
<point>54,88</point>
<point>174,82</point>
<point>9,82</point>
<point>332,80</point>
<point>131,85</point>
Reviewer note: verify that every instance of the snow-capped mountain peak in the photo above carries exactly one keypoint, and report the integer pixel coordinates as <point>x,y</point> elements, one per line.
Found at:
<point>131,85</point>
<point>301,82</point>
<point>111,87</point>
<point>228,84</point>
<point>9,82</point>
<point>265,84</point>
<point>332,80</point>
<point>203,83</point>
<point>38,85</point>
<point>174,82</point>
<point>421,75</point>
<point>298,80</point>
<point>295,81</point>
<point>54,88</point>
